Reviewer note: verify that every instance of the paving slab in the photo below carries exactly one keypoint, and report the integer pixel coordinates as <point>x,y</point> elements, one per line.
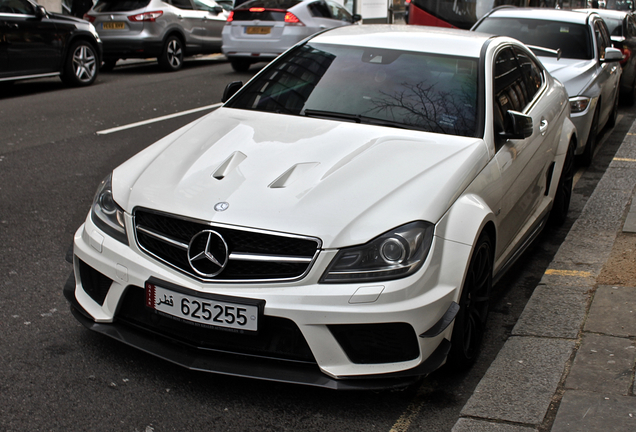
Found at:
<point>584,411</point>
<point>519,385</point>
<point>603,364</point>
<point>613,311</point>
<point>472,425</point>
<point>553,311</point>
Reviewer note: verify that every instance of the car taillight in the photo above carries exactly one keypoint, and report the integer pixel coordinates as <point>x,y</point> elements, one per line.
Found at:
<point>89,18</point>
<point>146,16</point>
<point>257,9</point>
<point>230,17</point>
<point>292,19</point>
<point>627,53</point>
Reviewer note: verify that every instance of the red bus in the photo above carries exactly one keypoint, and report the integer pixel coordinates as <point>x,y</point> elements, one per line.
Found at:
<point>464,13</point>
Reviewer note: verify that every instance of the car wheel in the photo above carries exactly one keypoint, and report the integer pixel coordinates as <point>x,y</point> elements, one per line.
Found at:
<point>108,65</point>
<point>470,322</point>
<point>611,121</point>
<point>80,66</point>
<point>561,205</point>
<point>241,65</point>
<point>590,145</point>
<point>171,58</point>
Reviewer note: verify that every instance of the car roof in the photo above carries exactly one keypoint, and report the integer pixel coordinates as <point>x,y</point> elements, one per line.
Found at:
<point>569,16</point>
<point>408,38</point>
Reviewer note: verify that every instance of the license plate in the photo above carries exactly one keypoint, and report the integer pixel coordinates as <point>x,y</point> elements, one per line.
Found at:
<point>113,26</point>
<point>202,310</point>
<point>258,30</point>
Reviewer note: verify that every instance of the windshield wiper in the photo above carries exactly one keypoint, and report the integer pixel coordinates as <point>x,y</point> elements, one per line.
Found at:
<point>331,115</point>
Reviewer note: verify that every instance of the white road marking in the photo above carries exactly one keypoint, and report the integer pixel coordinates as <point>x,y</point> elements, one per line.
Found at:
<point>158,119</point>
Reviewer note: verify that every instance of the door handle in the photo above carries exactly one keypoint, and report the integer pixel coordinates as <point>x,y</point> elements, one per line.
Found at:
<point>543,126</point>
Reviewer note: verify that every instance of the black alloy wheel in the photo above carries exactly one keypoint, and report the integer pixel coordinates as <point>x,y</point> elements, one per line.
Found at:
<point>470,322</point>
<point>80,66</point>
<point>561,205</point>
<point>171,58</point>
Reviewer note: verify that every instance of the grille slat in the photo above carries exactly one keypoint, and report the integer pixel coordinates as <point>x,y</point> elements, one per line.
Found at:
<point>272,256</point>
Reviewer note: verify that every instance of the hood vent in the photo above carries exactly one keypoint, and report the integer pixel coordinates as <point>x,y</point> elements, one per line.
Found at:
<point>229,165</point>
<point>292,174</point>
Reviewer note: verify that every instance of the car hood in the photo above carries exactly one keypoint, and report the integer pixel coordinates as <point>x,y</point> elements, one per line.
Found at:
<point>574,74</point>
<point>342,182</point>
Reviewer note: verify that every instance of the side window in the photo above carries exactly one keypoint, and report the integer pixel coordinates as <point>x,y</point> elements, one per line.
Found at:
<point>631,27</point>
<point>532,73</point>
<point>338,12</point>
<point>182,4</point>
<point>510,88</point>
<point>319,9</point>
<point>16,7</point>
<point>602,38</point>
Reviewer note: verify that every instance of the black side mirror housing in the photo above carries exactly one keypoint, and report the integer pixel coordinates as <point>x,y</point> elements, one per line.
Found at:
<point>217,10</point>
<point>230,89</point>
<point>40,12</point>
<point>356,17</point>
<point>518,126</point>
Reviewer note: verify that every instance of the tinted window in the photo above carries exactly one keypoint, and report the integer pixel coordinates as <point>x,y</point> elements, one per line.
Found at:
<point>602,38</point>
<point>181,4</point>
<point>338,12</point>
<point>16,7</point>
<point>270,4</point>
<point>531,73</point>
<point>615,26</point>
<point>319,9</point>
<point>573,40</point>
<point>405,89</point>
<point>120,5</point>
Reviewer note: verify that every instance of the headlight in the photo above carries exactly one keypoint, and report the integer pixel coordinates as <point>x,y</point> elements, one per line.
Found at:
<point>396,254</point>
<point>579,104</point>
<point>106,214</point>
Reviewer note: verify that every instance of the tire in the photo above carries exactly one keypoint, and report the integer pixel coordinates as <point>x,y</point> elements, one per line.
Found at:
<point>611,121</point>
<point>561,205</point>
<point>240,65</point>
<point>171,58</point>
<point>590,145</point>
<point>470,322</point>
<point>628,98</point>
<point>108,65</point>
<point>80,65</point>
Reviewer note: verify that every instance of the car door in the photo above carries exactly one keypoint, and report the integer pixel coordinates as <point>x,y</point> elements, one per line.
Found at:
<point>608,73</point>
<point>191,22</point>
<point>29,44</point>
<point>520,85</point>
<point>213,19</point>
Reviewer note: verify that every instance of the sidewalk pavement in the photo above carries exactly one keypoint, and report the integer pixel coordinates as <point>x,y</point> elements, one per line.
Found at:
<point>570,361</point>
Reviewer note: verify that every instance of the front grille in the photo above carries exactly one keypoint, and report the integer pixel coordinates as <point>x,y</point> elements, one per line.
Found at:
<point>377,343</point>
<point>253,255</point>
<point>277,338</point>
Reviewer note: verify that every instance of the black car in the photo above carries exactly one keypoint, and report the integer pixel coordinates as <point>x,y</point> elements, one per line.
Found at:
<point>622,28</point>
<point>35,44</point>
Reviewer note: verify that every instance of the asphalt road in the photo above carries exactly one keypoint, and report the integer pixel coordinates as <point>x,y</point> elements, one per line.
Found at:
<point>55,375</point>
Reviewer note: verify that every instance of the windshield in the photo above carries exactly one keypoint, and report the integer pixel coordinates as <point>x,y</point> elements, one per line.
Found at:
<point>573,40</point>
<point>120,5</point>
<point>614,25</point>
<point>366,85</point>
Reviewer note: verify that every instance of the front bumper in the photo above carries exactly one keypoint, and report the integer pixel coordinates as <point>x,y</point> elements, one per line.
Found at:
<point>423,302</point>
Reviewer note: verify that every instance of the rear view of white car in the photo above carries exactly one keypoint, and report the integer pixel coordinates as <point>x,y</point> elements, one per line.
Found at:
<point>260,30</point>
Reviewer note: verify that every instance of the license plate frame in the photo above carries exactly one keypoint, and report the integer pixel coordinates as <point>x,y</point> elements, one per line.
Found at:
<point>202,309</point>
<point>114,25</point>
<point>258,30</point>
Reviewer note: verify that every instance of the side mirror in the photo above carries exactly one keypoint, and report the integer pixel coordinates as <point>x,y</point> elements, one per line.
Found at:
<point>217,10</point>
<point>230,89</point>
<point>40,12</point>
<point>518,126</point>
<point>612,55</point>
<point>356,18</point>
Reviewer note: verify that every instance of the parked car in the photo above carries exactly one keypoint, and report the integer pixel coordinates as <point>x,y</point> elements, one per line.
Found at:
<point>167,30</point>
<point>260,30</point>
<point>339,222</point>
<point>35,44</point>
<point>622,29</point>
<point>623,5</point>
<point>576,49</point>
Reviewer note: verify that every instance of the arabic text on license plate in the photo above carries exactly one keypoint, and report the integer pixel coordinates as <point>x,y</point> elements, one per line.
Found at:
<point>201,310</point>
<point>113,26</point>
<point>258,30</point>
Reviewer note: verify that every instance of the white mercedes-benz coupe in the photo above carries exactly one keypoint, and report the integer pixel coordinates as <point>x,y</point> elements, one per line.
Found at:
<point>340,220</point>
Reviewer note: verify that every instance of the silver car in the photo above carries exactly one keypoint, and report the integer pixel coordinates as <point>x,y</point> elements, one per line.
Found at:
<point>167,30</point>
<point>576,49</point>
<point>260,30</point>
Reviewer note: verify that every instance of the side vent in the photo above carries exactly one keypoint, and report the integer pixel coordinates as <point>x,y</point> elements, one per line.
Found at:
<point>292,174</point>
<point>549,175</point>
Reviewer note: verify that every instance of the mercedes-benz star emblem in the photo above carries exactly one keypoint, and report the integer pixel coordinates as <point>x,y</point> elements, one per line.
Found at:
<point>207,253</point>
<point>221,206</point>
